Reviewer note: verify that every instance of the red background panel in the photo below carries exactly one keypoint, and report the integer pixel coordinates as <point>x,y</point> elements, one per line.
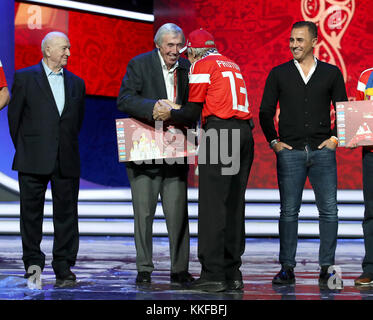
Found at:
<point>104,46</point>
<point>255,34</point>
<point>101,46</point>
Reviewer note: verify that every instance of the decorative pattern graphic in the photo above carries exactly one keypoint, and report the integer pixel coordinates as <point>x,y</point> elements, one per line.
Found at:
<point>333,18</point>
<point>101,46</point>
<point>255,34</point>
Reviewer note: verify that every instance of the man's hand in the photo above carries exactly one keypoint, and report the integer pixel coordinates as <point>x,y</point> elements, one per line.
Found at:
<point>161,111</point>
<point>173,105</point>
<point>329,143</point>
<point>281,145</point>
<point>4,97</point>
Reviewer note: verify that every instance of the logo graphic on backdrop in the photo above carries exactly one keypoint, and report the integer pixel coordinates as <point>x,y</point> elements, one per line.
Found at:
<point>332,18</point>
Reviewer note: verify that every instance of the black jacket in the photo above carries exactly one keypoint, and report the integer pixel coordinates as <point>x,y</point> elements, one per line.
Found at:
<point>38,132</point>
<point>143,85</point>
<point>304,109</point>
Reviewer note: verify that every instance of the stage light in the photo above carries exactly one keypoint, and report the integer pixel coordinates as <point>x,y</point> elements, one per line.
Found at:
<point>96,9</point>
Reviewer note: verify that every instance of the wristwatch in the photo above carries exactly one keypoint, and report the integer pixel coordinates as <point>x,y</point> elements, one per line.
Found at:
<point>273,143</point>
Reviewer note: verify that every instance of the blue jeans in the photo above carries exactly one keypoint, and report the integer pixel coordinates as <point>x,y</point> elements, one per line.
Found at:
<point>293,168</point>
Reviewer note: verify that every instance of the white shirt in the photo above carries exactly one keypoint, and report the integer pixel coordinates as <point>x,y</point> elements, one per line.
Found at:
<point>312,70</point>
<point>169,78</point>
<point>56,82</point>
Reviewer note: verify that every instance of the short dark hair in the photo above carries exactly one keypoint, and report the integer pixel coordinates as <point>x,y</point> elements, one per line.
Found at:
<point>312,28</point>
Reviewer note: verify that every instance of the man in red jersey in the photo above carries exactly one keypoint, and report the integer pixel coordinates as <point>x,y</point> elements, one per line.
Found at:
<point>4,92</point>
<point>218,93</point>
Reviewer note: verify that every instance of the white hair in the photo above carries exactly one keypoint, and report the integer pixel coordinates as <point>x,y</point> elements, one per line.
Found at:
<point>197,52</point>
<point>50,36</point>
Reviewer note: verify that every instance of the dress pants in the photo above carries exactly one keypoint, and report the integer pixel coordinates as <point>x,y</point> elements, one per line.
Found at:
<point>170,182</point>
<point>65,219</point>
<point>368,212</point>
<point>221,212</point>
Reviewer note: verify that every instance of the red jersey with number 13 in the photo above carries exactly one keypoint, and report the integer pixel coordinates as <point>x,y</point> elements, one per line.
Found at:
<point>217,81</point>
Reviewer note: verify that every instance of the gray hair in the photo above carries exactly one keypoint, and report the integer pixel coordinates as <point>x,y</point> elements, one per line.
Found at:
<point>197,52</point>
<point>165,29</point>
<point>49,37</point>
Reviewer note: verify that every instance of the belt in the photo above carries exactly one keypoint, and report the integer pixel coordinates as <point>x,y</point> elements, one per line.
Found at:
<point>215,118</point>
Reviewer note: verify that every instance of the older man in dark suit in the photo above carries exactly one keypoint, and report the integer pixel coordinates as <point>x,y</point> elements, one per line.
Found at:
<point>158,74</point>
<point>45,115</point>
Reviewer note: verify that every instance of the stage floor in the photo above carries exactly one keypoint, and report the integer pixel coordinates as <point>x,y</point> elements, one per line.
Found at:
<point>106,270</point>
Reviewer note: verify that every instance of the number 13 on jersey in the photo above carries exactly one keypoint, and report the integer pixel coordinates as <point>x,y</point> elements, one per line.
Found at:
<point>239,99</point>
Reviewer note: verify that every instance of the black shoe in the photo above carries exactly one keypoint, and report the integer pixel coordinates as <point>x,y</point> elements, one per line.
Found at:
<point>324,278</point>
<point>143,277</point>
<point>208,285</point>
<point>65,280</point>
<point>285,276</point>
<point>181,278</point>
<point>235,284</point>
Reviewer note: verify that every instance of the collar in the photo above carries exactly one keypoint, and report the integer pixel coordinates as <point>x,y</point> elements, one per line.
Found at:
<point>210,51</point>
<point>164,67</point>
<point>298,64</point>
<point>48,70</point>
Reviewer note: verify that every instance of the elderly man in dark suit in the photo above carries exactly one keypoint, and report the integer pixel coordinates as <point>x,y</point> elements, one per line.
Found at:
<point>158,74</point>
<point>45,115</point>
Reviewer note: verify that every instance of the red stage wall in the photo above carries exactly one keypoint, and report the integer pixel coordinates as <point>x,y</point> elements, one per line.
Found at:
<point>101,46</point>
<point>255,34</point>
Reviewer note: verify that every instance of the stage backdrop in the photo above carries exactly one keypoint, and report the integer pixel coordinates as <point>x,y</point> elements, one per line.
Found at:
<point>253,33</point>
<point>101,47</point>
<point>256,34</point>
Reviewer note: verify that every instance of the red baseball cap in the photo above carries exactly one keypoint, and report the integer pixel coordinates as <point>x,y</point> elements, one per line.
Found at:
<point>199,39</point>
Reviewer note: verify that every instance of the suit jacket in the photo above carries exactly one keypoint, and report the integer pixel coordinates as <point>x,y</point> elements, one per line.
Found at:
<point>143,85</point>
<point>38,132</point>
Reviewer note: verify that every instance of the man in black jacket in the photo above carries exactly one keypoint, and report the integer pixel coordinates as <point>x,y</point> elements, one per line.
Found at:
<point>158,74</point>
<point>45,115</point>
<point>305,144</point>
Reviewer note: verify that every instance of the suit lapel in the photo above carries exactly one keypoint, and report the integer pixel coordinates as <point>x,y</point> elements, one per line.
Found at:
<point>42,80</point>
<point>68,90</point>
<point>181,84</point>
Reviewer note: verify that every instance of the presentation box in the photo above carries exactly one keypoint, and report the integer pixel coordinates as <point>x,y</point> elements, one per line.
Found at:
<point>139,141</point>
<point>355,123</point>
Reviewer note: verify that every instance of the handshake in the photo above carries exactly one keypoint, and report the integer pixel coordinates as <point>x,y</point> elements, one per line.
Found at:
<point>162,109</point>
